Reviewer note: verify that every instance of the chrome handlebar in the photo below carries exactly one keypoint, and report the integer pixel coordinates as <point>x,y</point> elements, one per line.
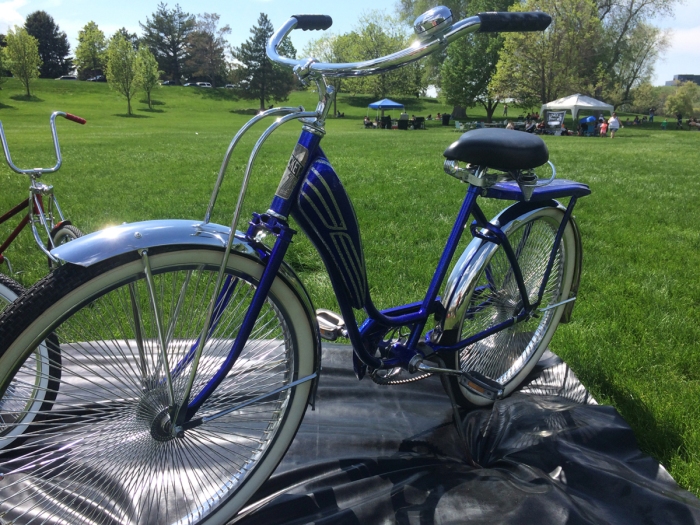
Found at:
<point>36,172</point>
<point>433,28</point>
<point>311,67</point>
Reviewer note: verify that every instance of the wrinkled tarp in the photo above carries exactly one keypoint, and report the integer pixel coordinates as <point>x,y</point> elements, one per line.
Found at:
<point>548,455</point>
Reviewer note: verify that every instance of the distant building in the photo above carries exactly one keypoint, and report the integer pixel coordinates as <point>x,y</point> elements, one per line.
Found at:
<point>677,79</point>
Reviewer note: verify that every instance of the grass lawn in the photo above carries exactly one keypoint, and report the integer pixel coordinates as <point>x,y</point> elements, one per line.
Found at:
<point>634,337</point>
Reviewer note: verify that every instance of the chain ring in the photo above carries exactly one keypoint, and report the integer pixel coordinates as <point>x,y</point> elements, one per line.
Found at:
<point>397,375</point>
<point>387,380</point>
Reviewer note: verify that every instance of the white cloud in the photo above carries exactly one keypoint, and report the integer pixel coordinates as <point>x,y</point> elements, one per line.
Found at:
<point>9,14</point>
<point>686,40</point>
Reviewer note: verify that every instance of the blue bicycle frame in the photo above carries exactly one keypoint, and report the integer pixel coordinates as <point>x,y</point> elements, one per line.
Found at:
<point>311,192</point>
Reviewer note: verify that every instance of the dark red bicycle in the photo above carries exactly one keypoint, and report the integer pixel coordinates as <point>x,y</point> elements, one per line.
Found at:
<point>41,210</point>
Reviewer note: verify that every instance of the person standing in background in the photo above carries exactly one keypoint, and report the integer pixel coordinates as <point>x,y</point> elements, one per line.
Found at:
<point>613,125</point>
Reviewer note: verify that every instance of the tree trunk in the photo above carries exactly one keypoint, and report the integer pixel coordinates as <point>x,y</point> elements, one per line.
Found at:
<point>149,100</point>
<point>489,114</point>
<point>458,112</point>
<point>128,105</point>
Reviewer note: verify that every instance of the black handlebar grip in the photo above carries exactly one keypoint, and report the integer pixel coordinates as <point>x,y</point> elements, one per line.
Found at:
<point>313,22</point>
<point>513,22</point>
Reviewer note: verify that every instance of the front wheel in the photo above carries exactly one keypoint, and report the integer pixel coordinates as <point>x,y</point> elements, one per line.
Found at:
<point>104,456</point>
<point>491,296</point>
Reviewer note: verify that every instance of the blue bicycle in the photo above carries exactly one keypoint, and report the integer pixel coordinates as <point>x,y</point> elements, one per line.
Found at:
<point>189,354</point>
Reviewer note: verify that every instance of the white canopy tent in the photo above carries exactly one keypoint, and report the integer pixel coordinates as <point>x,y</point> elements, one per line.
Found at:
<point>576,103</point>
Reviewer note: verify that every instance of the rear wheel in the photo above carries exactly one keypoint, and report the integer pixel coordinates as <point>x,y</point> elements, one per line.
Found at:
<point>492,297</point>
<point>61,235</point>
<point>9,291</point>
<point>104,457</point>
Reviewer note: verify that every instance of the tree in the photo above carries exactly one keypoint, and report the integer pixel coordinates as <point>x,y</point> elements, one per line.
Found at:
<point>644,97</point>
<point>207,47</point>
<point>147,73</point>
<point>166,36</point>
<point>257,77</point>
<point>54,48</point>
<point>629,46</point>
<point>642,47</point>
<point>535,68</point>
<point>23,55</point>
<point>471,62</point>
<point>377,35</point>
<point>129,37</point>
<point>121,68</point>
<point>681,102</point>
<point>330,48</point>
<point>3,65</point>
<point>90,53</point>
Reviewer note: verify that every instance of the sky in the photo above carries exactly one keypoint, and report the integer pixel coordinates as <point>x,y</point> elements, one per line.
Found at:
<point>683,57</point>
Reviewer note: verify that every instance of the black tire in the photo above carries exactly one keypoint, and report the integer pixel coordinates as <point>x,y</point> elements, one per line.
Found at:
<point>61,235</point>
<point>9,291</point>
<point>28,398</point>
<point>490,296</point>
<point>110,412</point>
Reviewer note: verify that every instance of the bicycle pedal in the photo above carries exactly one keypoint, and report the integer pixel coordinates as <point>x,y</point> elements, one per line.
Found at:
<point>330,325</point>
<point>482,385</point>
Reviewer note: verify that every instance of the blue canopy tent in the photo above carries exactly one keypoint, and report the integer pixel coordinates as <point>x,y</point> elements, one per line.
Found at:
<point>383,104</point>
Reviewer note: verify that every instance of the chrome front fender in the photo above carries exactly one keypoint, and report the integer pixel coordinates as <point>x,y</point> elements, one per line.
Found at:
<point>117,240</point>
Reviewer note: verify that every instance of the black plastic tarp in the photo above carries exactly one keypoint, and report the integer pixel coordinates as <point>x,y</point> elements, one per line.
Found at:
<point>548,454</point>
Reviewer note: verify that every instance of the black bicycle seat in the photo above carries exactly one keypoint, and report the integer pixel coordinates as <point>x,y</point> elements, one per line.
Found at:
<point>501,149</point>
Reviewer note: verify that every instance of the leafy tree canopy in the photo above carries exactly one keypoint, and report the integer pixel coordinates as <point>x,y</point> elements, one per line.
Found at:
<point>90,53</point>
<point>121,67</point>
<point>535,68</point>
<point>23,56</point>
<point>256,77</point>
<point>207,49</point>
<point>147,73</point>
<point>132,38</point>
<point>165,34</point>
<point>54,48</point>
<point>470,64</point>
<point>681,102</point>
<point>377,35</point>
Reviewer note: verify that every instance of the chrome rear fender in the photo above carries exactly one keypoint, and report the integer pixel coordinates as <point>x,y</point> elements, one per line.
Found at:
<point>460,283</point>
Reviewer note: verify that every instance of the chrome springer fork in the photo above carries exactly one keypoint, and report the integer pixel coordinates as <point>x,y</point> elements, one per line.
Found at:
<point>314,121</point>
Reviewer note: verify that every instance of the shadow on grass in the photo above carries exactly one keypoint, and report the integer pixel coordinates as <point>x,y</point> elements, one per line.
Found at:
<point>218,93</point>
<point>249,111</point>
<point>5,106</point>
<point>126,115</point>
<point>661,439</point>
<point>25,98</point>
<point>154,102</point>
<point>154,110</point>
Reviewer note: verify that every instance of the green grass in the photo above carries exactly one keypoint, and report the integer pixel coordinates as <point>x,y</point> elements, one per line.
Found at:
<point>634,337</point>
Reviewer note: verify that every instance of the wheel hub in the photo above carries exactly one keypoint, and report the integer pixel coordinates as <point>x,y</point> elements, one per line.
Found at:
<point>161,428</point>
